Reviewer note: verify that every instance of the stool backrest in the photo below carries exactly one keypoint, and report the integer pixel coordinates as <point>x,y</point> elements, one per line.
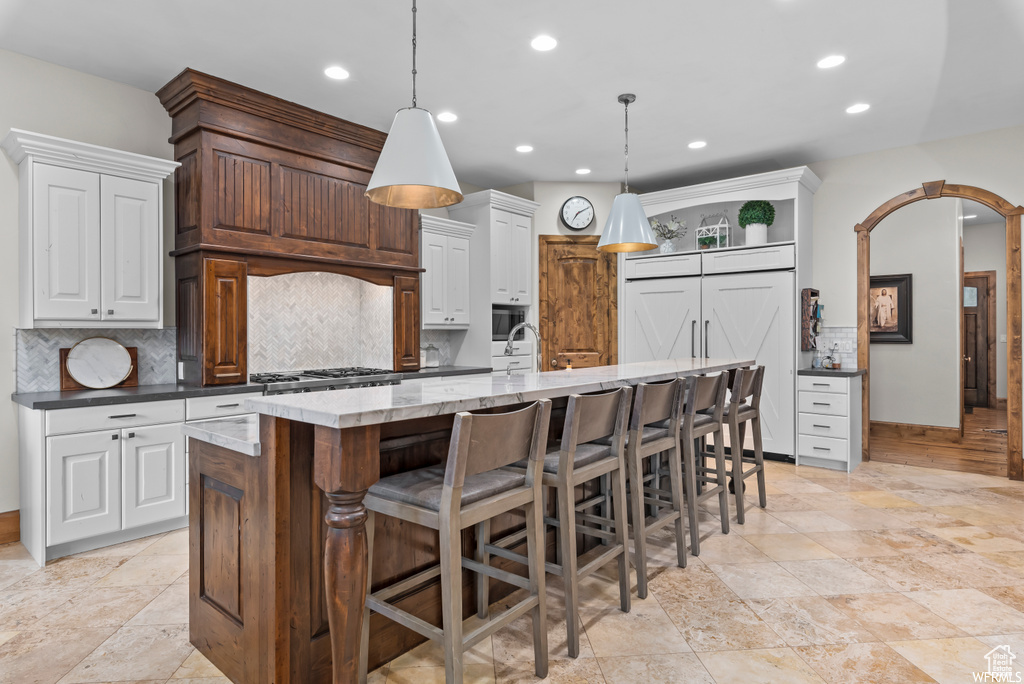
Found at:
<point>704,392</point>
<point>746,386</point>
<point>593,416</point>
<point>657,401</point>
<point>482,442</point>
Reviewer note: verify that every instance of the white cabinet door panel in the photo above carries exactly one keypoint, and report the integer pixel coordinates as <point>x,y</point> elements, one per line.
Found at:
<point>432,286</point>
<point>131,241</point>
<point>751,315</point>
<point>154,474</point>
<point>661,319</point>
<point>83,477</point>
<point>457,281</point>
<point>66,249</point>
<point>522,271</point>
<point>501,249</point>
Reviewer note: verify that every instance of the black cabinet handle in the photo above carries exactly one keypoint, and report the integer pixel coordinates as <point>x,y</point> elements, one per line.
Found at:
<point>821,448</point>
<point>115,436</point>
<point>822,403</point>
<point>820,384</point>
<point>235,405</point>
<point>123,415</point>
<point>707,353</point>
<point>824,427</point>
<point>131,435</point>
<point>693,334</point>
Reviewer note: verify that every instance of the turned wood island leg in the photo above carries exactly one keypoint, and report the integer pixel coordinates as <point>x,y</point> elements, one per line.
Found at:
<point>345,464</point>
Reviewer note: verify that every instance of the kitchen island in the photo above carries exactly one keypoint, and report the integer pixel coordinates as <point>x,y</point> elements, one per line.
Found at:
<point>277,543</point>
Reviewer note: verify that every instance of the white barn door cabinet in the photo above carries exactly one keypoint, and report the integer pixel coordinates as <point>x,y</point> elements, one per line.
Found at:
<point>738,301</point>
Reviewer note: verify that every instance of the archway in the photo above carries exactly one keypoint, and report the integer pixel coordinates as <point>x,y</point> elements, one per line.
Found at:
<point>1012,214</point>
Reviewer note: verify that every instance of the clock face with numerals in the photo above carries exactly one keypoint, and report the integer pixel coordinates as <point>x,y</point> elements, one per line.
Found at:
<point>577,213</point>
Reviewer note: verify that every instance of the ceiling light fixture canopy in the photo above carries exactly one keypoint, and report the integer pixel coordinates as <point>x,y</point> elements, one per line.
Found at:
<point>413,170</point>
<point>627,228</point>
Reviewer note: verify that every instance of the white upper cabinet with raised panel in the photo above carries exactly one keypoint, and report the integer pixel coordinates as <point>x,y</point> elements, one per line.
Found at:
<point>444,287</point>
<point>91,234</point>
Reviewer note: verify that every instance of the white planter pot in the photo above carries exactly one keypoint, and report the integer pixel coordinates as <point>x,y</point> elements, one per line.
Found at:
<point>757,233</point>
<point>666,247</point>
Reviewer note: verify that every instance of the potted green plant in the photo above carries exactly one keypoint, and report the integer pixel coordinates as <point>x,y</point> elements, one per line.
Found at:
<point>710,241</point>
<point>755,217</point>
<point>668,231</point>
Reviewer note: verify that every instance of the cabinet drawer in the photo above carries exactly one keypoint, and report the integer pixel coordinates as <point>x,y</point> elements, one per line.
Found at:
<point>813,383</point>
<point>198,408</point>
<point>662,266</point>
<point>90,418</point>
<point>744,260</point>
<point>820,402</point>
<point>824,426</point>
<point>824,447</point>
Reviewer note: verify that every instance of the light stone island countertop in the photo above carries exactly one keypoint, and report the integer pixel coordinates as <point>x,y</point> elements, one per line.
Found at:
<point>240,433</point>
<point>442,396</point>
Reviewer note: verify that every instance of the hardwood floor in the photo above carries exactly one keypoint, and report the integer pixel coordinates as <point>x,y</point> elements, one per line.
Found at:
<point>981,451</point>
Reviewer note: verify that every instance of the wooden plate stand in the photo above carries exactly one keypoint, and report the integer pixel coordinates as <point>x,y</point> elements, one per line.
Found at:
<point>69,383</point>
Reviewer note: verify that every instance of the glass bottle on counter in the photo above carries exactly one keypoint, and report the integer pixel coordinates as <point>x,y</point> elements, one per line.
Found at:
<point>433,356</point>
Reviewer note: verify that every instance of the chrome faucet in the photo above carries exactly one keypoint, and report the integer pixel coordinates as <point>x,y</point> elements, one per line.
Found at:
<point>512,334</point>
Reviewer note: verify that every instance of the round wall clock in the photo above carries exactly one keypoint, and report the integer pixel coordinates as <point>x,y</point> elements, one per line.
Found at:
<point>577,213</point>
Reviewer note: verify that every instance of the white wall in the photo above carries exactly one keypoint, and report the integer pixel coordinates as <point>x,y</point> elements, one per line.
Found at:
<point>919,383</point>
<point>853,187</point>
<point>985,250</point>
<point>45,98</point>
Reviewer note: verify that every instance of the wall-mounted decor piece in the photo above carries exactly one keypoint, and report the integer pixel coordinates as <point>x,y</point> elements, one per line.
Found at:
<point>890,311</point>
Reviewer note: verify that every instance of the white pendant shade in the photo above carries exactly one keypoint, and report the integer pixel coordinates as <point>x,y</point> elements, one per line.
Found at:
<point>627,229</point>
<point>413,171</point>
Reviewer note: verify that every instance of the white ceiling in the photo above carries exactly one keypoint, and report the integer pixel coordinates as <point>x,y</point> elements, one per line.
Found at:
<point>740,74</point>
<point>982,214</point>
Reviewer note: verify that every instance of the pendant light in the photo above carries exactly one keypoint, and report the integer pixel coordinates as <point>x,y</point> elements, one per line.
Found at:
<point>627,228</point>
<point>413,171</point>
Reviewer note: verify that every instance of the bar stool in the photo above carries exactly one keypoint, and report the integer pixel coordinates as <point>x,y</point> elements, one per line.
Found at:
<point>473,487</point>
<point>592,447</point>
<point>703,409</point>
<point>745,407</point>
<point>653,430</point>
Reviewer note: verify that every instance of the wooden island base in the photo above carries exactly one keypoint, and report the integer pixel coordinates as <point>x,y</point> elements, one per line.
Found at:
<point>259,533</point>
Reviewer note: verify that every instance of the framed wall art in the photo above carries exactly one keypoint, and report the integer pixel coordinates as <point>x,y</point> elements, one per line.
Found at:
<point>890,309</point>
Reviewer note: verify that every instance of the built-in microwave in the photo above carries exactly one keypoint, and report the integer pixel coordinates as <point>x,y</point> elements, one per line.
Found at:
<point>503,320</point>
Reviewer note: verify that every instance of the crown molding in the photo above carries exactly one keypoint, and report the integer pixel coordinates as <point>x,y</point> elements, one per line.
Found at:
<point>20,145</point>
<point>498,200</point>
<point>445,226</point>
<point>801,175</point>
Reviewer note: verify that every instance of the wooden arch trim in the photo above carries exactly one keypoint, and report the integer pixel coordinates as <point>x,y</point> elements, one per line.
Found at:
<point>1015,386</point>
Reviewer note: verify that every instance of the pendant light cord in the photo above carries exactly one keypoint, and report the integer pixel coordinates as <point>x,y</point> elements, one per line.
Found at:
<point>414,54</point>
<point>627,145</point>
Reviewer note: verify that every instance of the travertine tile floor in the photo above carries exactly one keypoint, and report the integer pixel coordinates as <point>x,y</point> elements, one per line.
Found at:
<point>892,574</point>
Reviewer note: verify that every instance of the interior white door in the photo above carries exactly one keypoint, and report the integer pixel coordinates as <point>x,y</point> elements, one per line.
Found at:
<point>751,315</point>
<point>432,282</point>
<point>501,260</point>
<point>522,261</point>
<point>154,474</point>
<point>66,249</point>
<point>83,476</point>
<point>457,280</point>
<point>130,241</point>
<point>661,319</point>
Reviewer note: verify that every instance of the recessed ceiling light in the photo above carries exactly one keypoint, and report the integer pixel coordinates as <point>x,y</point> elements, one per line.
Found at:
<point>543,43</point>
<point>858,108</point>
<point>831,61</point>
<point>336,72</point>
<point>970,216</point>
<point>524,148</point>
<point>583,172</point>
<point>697,144</point>
<point>446,117</point>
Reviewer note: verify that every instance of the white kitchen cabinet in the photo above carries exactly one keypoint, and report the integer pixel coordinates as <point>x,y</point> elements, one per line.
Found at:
<point>829,420</point>
<point>444,286</point>
<point>662,319</point>
<point>91,237</point>
<point>83,474</point>
<point>154,474</point>
<point>502,279</point>
<point>521,257</point>
<point>751,315</point>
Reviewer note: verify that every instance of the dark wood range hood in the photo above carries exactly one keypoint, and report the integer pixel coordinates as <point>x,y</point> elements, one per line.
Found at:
<point>267,187</point>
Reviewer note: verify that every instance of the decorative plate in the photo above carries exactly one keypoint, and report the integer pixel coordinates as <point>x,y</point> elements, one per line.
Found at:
<point>98,363</point>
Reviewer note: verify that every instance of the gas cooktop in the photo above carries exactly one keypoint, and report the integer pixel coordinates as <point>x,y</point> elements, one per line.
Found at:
<point>325,379</point>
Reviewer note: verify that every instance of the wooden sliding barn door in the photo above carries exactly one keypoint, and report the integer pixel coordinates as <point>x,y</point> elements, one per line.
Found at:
<point>578,310</point>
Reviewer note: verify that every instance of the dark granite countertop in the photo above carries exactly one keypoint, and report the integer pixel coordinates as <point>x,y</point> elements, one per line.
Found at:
<point>124,395</point>
<point>832,373</point>
<point>444,371</point>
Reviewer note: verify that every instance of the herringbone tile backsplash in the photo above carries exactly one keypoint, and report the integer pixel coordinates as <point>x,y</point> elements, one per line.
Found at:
<point>301,321</point>
<point>38,354</point>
